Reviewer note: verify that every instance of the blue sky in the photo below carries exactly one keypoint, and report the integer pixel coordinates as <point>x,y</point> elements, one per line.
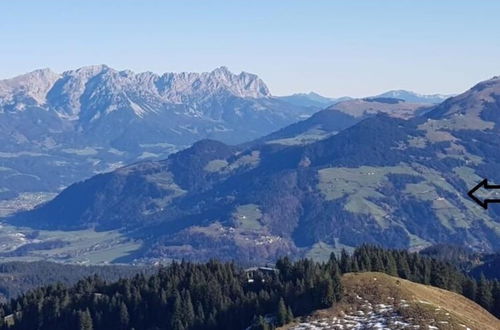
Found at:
<point>335,48</point>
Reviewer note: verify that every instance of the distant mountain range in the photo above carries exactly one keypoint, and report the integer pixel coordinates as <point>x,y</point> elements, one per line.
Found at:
<point>313,99</point>
<point>398,108</point>
<point>412,97</point>
<point>56,129</point>
<point>384,180</point>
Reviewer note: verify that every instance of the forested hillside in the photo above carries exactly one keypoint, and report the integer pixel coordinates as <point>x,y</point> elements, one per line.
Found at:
<point>19,277</point>
<point>398,183</point>
<point>218,295</point>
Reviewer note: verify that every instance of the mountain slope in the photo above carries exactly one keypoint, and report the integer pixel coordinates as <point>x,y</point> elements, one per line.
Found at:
<point>375,298</point>
<point>320,125</point>
<point>311,99</point>
<point>397,183</point>
<point>361,108</point>
<point>413,97</point>
<point>56,129</point>
<point>340,116</point>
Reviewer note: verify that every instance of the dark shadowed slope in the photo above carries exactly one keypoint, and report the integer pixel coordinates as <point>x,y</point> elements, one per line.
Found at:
<point>56,129</point>
<point>398,183</point>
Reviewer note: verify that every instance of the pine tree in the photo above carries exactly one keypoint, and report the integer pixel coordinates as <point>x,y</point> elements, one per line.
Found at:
<point>403,267</point>
<point>284,265</point>
<point>390,265</point>
<point>200,313</point>
<point>354,265</point>
<point>289,315</point>
<point>365,263</point>
<point>260,324</point>
<point>333,264</point>
<point>470,289</point>
<point>337,287</point>
<point>439,276</point>
<point>85,320</point>
<point>327,293</point>
<point>332,258</point>
<point>187,308</point>
<point>123,317</point>
<point>211,322</point>
<point>345,263</point>
<point>484,293</point>
<point>496,299</point>
<point>376,263</point>
<point>177,313</point>
<point>426,271</point>
<point>282,316</point>
<point>177,325</point>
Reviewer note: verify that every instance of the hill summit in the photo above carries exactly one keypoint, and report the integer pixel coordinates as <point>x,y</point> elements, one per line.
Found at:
<point>377,300</point>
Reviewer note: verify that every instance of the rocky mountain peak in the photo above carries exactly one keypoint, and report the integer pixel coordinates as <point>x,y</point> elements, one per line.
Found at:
<point>32,86</point>
<point>90,70</point>
<point>92,91</point>
<point>222,70</point>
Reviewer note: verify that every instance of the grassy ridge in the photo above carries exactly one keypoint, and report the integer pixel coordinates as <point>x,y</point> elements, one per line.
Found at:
<point>408,302</point>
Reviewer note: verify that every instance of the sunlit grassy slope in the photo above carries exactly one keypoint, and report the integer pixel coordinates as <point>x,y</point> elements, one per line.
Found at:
<point>378,299</point>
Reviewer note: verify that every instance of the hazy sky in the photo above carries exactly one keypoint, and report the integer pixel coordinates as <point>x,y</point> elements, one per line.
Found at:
<point>336,48</point>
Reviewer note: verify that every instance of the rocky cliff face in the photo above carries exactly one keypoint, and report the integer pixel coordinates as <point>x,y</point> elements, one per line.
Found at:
<point>93,119</point>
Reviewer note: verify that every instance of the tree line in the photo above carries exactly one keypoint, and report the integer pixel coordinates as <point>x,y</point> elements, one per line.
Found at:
<point>216,295</point>
<point>213,295</point>
<point>17,277</point>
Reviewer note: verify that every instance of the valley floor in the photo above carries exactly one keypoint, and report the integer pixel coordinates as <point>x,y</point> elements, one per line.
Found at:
<point>23,202</point>
<point>79,246</point>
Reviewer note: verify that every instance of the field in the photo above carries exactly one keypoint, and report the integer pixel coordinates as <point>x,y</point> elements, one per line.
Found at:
<point>82,246</point>
<point>363,188</point>
<point>247,217</point>
<point>24,201</point>
<point>310,136</point>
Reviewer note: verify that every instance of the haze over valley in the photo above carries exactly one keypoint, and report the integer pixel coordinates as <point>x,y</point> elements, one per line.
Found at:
<point>244,190</point>
<point>208,165</point>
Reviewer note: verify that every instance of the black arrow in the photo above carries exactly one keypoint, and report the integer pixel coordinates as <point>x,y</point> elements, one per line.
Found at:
<point>487,186</point>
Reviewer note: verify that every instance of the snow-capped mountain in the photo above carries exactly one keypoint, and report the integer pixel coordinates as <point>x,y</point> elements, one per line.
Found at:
<point>71,125</point>
<point>313,99</point>
<point>413,97</point>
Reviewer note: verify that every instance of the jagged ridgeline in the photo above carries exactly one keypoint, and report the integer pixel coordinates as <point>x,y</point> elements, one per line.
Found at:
<point>219,295</point>
<point>304,190</point>
<point>56,129</point>
<point>59,128</point>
